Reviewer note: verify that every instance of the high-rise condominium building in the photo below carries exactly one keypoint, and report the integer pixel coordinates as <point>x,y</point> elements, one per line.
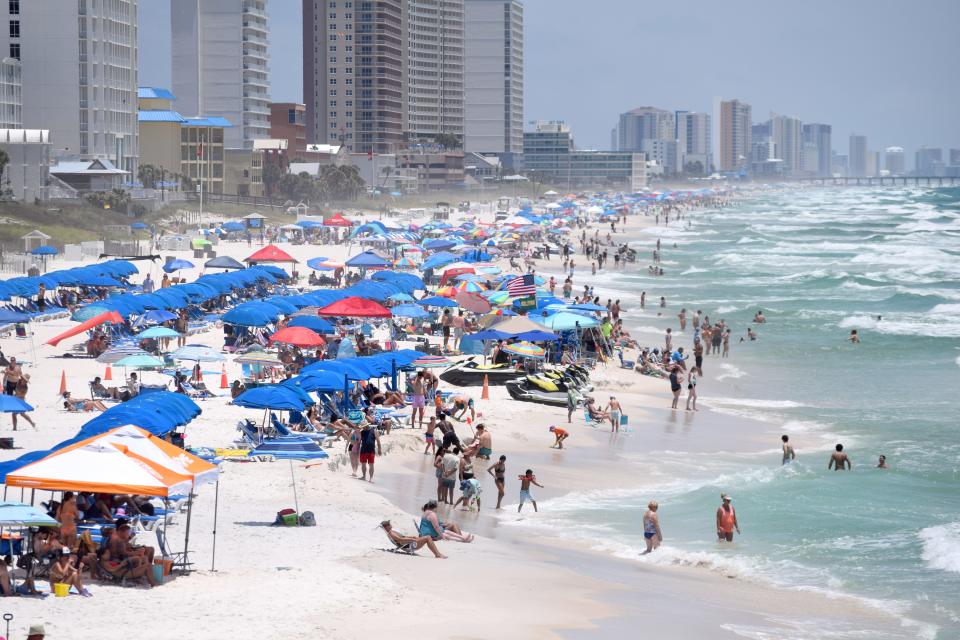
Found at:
<point>734,136</point>
<point>10,101</point>
<point>219,58</point>
<point>78,63</point>
<point>785,132</point>
<point>435,68</point>
<point>894,161</point>
<point>493,74</point>
<point>354,73</point>
<point>816,149</point>
<point>928,161</point>
<point>644,123</point>
<point>693,141</point>
<point>857,162</point>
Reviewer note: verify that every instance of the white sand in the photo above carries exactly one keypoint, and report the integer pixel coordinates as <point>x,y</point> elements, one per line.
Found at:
<point>334,580</point>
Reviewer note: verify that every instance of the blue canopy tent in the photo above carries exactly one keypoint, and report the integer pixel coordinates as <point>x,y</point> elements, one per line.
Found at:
<point>437,301</point>
<point>367,259</point>
<point>438,260</point>
<point>274,396</point>
<point>314,323</point>
<point>252,314</point>
<point>409,311</point>
<point>177,264</point>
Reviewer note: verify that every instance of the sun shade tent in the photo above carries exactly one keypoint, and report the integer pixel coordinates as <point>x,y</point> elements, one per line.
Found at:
<point>177,264</point>
<point>314,323</point>
<point>337,220</point>
<point>252,314</point>
<point>197,353</point>
<point>223,262</point>
<point>367,259</point>
<point>355,307</point>
<point>274,396</point>
<point>270,253</point>
<point>109,317</point>
<point>566,321</point>
<point>409,311</point>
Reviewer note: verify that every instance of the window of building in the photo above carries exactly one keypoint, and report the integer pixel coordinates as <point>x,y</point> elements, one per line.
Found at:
<point>14,7</point>
<point>333,60</point>
<point>333,136</point>
<point>348,48</point>
<point>333,48</point>
<point>14,28</point>
<point>333,71</point>
<point>333,92</point>
<point>349,125</point>
<point>333,114</point>
<point>349,59</point>
<point>332,16</point>
<point>349,114</point>
<point>291,116</point>
<point>15,50</point>
<point>333,26</point>
<point>349,36</point>
<point>332,37</point>
<point>333,81</point>
<point>333,103</point>
<point>349,92</point>
<point>350,70</point>
<point>349,103</point>
<point>349,80</point>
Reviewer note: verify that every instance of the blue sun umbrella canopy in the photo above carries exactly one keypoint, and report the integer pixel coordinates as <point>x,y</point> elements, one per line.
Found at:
<point>409,311</point>
<point>233,225</point>
<point>177,264</point>
<point>587,306</point>
<point>565,321</point>
<point>274,396</point>
<point>139,226</point>
<point>140,361</point>
<point>197,353</point>
<point>323,381</point>
<point>401,297</point>
<point>45,250</point>
<point>158,316</point>
<point>314,323</point>
<point>438,260</point>
<point>439,244</point>
<point>158,332</point>
<point>437,301</point>
<point>17,514</point>
<point>252,314</point>
<point>317,264</point>
<point>9,315</point>
<point>292,447</point>
<point>13,404</point>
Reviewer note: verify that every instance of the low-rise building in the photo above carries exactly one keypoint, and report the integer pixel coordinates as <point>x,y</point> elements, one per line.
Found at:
<point>436,171</point>
<point>288,121</point>
<point>27,172</point>
<point>86,176</point>
<point>243,172</point>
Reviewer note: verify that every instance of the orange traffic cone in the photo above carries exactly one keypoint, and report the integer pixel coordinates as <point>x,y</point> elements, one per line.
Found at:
<point>223,377</point>
<point>108,374</point>
<point>63,382</point>
<point>485,394</point>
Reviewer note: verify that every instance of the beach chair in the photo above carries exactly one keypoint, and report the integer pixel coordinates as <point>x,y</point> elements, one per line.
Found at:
<point>250,434</point>
<point>408,549</point>
<point>624,364</point>
<point>589,419</point>
<point>179,558</point>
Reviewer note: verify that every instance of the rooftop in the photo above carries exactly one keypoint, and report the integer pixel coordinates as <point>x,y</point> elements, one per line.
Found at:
<point>159,115</point>
<point>155,93</point>
<point>207,121</point>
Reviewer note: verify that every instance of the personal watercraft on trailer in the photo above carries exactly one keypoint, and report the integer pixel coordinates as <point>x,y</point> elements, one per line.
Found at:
<point>471,373</point>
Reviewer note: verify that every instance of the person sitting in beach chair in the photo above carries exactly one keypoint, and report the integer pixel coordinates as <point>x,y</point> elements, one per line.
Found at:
<point>76,405</point>
<point>123,560</point>
<point>98,390</point>
<point>595,414</point>
<point>409,544</point>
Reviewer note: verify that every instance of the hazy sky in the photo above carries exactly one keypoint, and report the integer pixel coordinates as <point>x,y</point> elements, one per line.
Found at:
<point>883,68</point>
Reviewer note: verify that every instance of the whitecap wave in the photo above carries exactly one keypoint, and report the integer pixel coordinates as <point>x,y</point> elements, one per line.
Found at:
<point>693,270</point>
<point>752,402</point>
<point>726,309</point>
<point>941,547</point>
<point>730,371</point>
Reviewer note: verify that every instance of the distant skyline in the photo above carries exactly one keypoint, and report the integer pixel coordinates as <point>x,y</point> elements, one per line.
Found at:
<point>884,69</point>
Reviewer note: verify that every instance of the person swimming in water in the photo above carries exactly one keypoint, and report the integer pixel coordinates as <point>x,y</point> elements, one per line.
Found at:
<point>882,463</point>
<point>788,453</point>
<point>854,338</point>
<point>839,461</point>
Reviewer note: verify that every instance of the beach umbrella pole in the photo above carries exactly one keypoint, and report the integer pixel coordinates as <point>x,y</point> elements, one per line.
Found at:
<point>186,536</point>
<point>293,479</point>
<point>216,504</point>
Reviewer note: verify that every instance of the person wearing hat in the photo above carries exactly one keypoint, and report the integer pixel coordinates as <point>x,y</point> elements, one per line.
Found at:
<point>726,519</point>
<point>65,572</point>
<point>36,632</point>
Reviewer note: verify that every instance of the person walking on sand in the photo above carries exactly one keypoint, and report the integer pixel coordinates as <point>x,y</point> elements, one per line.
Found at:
<point>573,400</point>
<point>419,399</point>
<point>561,435</point>
<point>369,449</point>
<point>839,460</point>
<point>615,411</point>
<point>11,376</point>
<point>726,519</point>
<point>525,481</point>
<point>788,454</point>
<point>428,437</point>
<point>675,386</point>
<point>683,319</point>
<point>668,340</point>
<point>692,389</point>
<point>651,527</point>
<point>21,392</point>
<point>499,472</point>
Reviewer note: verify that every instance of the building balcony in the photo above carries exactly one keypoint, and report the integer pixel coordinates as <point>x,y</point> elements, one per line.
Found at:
<point>253,38</point>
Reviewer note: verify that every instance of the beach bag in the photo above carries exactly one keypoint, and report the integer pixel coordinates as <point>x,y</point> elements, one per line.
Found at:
<point>307,519</point>
<point>286,518</point>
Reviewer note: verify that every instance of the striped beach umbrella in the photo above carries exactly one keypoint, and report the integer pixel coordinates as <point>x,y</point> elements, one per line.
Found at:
<point>525,350</point>
<point>446,292</point>
<point>471,287</point>
<point>427,362</point>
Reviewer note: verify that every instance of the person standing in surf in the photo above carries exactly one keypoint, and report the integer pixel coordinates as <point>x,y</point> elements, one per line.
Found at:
<point>651,527</point>
<point>726,519</point>
<point>788,453</point>
<point>839,460</point>
<point>675,385</point>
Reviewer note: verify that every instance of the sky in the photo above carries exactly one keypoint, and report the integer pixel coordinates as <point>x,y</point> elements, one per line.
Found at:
<point>886,69</point>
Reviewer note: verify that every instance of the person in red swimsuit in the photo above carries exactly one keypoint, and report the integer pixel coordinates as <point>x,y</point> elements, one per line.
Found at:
<point>726,519</point>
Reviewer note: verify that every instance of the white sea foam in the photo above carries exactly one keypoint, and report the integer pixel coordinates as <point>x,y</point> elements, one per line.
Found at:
<point>693,270</point>
<point>732,371</point>
<point>941,547</point>
<point>751,402</point>
<point>943,326</point>
<point>726,309</point>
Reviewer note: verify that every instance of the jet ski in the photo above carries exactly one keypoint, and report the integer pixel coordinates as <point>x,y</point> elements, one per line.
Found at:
<point>470,373</point>
<point>541,389</point>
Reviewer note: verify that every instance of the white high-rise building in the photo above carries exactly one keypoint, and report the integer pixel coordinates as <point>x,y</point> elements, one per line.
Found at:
<point>11,104</point>
<point>219,62</point>
<point>78,62</point>
<point>435,68</point>
<point>693,140</point>
<point>493,75</point>
<point>787,138</point>
<point>894,160</point>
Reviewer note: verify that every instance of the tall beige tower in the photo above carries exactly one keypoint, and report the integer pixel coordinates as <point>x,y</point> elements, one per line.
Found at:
<point>435,68</point>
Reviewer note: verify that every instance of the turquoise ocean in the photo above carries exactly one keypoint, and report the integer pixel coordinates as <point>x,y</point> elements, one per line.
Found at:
<point>819,263</point>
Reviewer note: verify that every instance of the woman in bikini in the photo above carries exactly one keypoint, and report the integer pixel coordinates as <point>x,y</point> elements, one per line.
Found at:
<point>499,471</point>
<point>67,516</point>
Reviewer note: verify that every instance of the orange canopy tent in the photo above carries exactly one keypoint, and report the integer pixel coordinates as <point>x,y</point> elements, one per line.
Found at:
<point>110,316</point>
<point>270,253</point>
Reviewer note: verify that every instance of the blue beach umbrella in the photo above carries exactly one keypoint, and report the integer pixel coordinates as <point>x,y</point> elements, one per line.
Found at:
<point>273,396</point>
<point>177,264</point>
<point>197,353</point>
<point>85,313</point>
<point>437,301</point>
<point>139,226</point>
<point>317,264</point>
<point>45,250</point>
<point>158,316</point>
<point>409,311</point>
<point>13,404</point>
<point>158,332</point>
<point>292,447</point>
<point>314,323</point>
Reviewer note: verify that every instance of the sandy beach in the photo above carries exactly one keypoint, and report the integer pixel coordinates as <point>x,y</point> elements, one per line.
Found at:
<point>520,578</point>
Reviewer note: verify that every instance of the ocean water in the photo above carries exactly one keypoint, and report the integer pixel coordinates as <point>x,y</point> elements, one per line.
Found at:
<point>819,263</point>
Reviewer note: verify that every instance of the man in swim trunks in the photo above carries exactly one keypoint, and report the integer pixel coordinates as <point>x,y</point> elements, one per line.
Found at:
<point>788,453</point>
<point>486,442</point>
<point>418,399</point>
<point>525,481</point>
<point>428,437</point>
<point>463,404</point>
<point>369,449</point>
<point>726,519</point>
<point>839,460</point>
<point>561,435</point>
<point>615,412</point>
